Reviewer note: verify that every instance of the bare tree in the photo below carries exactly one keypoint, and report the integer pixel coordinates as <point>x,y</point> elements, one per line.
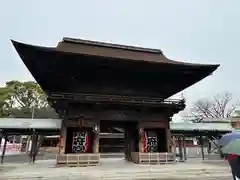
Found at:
<point>220,106</point>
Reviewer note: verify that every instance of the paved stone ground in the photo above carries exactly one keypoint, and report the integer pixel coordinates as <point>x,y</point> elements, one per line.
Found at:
<point>23,158</point>
<point>118,169</point>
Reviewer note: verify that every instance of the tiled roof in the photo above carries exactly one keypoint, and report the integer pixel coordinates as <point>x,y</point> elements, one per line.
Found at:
<point>221,120</point>
<point>110,45</point>
<point>187,126</point>
<point>23,123</point>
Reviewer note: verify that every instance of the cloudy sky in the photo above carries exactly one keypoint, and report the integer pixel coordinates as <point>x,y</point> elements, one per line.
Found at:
<point>200,31</point>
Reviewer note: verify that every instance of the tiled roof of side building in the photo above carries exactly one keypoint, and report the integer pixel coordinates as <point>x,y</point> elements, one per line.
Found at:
<point>22,123</point>
<point>27,123</point>
<point>187,126</point>
<point>221,120</point>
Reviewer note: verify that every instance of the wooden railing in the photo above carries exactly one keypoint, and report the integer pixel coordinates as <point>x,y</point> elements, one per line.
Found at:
<point>114,99</point>
<point>153,158</point>
<point>85,159</point>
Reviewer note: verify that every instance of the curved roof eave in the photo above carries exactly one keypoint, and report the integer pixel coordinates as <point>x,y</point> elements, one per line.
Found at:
<point>162,59</point>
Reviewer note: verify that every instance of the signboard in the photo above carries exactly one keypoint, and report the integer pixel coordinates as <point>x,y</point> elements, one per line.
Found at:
<point>80,142</point>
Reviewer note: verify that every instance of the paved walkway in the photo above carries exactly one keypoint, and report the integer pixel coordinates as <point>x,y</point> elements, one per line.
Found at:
<point>118,169</point>
<point>23,158</point>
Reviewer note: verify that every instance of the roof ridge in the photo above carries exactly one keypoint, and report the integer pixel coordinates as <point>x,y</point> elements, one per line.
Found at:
<point>111,45</point>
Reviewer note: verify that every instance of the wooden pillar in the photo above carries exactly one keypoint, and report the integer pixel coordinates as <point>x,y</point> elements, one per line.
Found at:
<point>168,131</point>
<point>30,147</point>
<point>27,150</point>
<point>33,145</point>
<point>180,148</point>
<point>96,138</point>
<point>201,144</point>
<point>34,153</point>
<point>209,147</point>
<point>128,142</point>
<point>39,144</point>
<point>125,143</point>
<point>0,140</point>
<point>174,144</point>
<point>141,140</point>
<point>184,148</point>
<point>63,136</point>
<point>4,149</point>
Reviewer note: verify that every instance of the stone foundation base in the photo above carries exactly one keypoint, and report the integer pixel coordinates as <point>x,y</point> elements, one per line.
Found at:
<point>153,158</point>
<point>73,160</point>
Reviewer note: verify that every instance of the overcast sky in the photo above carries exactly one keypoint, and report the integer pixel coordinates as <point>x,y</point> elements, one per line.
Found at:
<point>200,31</point>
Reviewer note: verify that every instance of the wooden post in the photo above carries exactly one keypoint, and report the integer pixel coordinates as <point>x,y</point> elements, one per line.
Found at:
<point>32,147</point>
<point>180,148</point>
<point>202,150</point>
<point>209,146</point>
<point>28,144</point>
<point>125,138</point>
<point>63,135</point>
<point>96,139</point>
<point>169,139</point>
<point>0,140</point>
<point>141,140</point>
<point>36,147</point>
<point>35,139</point>
<point>4,148</point>
<point>39,143</point>
<point>174,144</point>
<point>126,143</point>
<point>129,143</point>
<point>184,148</point>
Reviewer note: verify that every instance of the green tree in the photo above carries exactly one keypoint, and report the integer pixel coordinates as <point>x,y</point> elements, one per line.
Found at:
<point>40,113</point>
<point>26,94</point>
<point>19,99</point>
<point>4,97</point>
<point>25,100</point>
